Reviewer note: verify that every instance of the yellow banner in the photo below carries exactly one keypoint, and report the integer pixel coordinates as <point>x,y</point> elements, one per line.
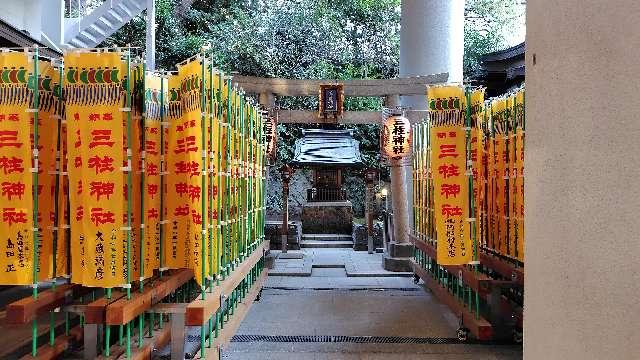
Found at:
<point>48,122</point>
<point>512,224</point>
<point>215,169</point>
<point>176,247</point>
<point>95,137</point>
<point>519,172</point>
<point>499,115</point>
<point>16,257</point>
<point>492,219</point>
<point>188,157</point>
<point>63,248</point>
<point>477,146</point>
<point>451,200</point>
<point>136,163</point>
<point>151,191</point>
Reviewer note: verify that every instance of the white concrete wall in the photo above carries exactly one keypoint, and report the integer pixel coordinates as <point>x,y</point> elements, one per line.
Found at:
<point>23,15</point>
<point>431,42</point>
<point>582,288</point>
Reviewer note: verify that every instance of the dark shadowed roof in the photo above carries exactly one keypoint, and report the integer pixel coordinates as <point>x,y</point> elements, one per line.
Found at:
<point>501,71</point>
<point>327,148</point>
<point>12,37</point>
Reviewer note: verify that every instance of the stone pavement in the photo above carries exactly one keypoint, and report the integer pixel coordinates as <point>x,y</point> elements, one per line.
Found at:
<point>318,314</point>
<point>355,263</point>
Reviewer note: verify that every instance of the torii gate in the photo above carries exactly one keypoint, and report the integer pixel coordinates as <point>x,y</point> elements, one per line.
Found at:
<point>391,90</point>
<point>431,42</point>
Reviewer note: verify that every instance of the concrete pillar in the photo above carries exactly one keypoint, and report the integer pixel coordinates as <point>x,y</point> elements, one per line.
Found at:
<point>398,252</point>
<point>150,49</point>
<point>582,252</point>
<point>399,190</point>
<point>431,42</point>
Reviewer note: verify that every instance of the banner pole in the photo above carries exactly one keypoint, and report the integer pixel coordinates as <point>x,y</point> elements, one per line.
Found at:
<point>36,98</point>
<point>203,187</point>
<point>129,194</point>
<point>229,229</point>
<point>143,154</point>
<point>242,179</point>
<point>219,178</point>
<point>211,177</point>
<point>55,228</point>
<point>143,121</point>
<point>203,183</point>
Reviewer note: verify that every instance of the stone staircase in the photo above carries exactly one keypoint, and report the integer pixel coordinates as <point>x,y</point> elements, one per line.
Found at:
<point>89,31</point>
<point>326,241</point>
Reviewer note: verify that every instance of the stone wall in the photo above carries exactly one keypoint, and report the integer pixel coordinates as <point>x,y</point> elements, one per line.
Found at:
<point>298,185</point>
<point>327,218</point>
<point>360,242</point>
<point>273,233</point>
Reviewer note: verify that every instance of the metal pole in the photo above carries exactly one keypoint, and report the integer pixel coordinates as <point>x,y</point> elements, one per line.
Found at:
<point>129,192</point>
<point>369,216</point>
<point>285,213</point>
<point>36,100</point>
<point>203,184</point>
<point>220,175</point>
<point>56,208</point>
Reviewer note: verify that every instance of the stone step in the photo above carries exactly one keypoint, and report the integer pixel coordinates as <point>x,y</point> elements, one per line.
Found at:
<point>326,244</point>
<point>327,237</point>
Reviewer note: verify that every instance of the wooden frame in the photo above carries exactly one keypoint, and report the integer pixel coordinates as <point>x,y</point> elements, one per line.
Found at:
<point>331,102</point>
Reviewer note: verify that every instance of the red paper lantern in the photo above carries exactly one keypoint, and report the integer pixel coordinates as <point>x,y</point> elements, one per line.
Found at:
<point>396,137</point>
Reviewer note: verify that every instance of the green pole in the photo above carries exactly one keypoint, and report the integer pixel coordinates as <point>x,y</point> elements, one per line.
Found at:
<point>129,193</point>
<point>56,195</point>
<point>220,174</point>
<point>203,177</point>
<point>162,171</point>
<point>203,218</point>
<point>470,193</point>
<point>514,174</point>
<point>163,165</point>
<point>36,104</point>
<point>250,172</point>
<point>242,194</point>
<point>143,120</point>
<point>228,182</point>
<point>211,176</point>
<point>507,176</point>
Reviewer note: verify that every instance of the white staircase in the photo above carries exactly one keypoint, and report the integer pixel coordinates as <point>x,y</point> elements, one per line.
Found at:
<point>90,30</point>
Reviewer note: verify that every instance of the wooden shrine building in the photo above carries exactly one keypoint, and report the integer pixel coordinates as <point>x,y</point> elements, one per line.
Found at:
<point>327,153</point>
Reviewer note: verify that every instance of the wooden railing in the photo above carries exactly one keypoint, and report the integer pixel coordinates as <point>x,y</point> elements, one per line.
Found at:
<point>320,195</point>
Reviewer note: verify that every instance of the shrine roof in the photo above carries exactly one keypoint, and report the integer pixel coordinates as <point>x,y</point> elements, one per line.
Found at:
<point>327,148</point>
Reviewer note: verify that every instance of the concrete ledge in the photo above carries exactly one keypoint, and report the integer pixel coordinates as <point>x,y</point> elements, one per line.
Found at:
<point>396,264</point>
<point>400,250</point>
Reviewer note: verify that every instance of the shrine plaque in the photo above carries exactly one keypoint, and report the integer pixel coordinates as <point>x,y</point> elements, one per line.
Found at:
<point>331,102</point>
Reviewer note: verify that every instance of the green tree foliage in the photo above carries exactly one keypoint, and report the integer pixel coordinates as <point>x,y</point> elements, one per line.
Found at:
<point>312,39</point>
<point>488,25</point>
